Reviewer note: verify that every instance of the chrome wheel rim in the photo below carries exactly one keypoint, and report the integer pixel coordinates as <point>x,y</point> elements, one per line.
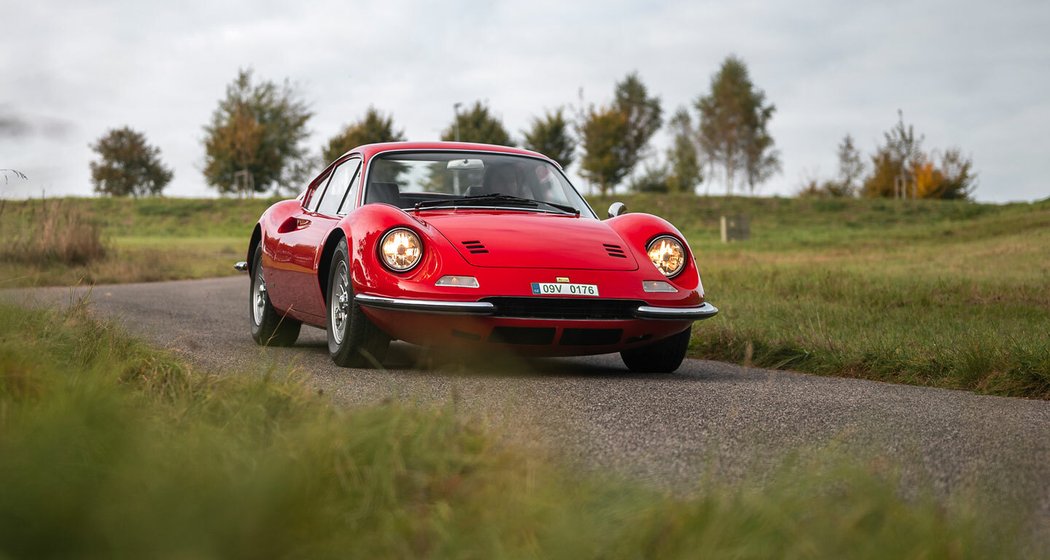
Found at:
<point>340,303</point>
<point>259,298</point>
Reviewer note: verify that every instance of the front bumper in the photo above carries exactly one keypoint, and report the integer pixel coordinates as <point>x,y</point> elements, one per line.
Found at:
<point>483,308</point>
<point>427,305</point>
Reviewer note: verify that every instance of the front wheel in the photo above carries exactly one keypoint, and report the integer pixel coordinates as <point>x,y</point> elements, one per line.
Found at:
<point>269,327</point>
<point>353,340</point>
<point>659,357</point>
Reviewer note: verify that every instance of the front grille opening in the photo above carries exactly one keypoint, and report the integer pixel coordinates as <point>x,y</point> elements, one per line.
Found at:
<point>590,337</point>
<point>522,335</point>
<point>564,308</point>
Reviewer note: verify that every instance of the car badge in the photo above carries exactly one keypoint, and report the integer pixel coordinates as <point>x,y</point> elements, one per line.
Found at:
<point>562,279</point>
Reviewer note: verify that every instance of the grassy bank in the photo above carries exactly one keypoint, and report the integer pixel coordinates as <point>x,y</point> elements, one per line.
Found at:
<point>947,294</point>
<point>942,293</point>
<point>144,240</point>
<point>109,448</point>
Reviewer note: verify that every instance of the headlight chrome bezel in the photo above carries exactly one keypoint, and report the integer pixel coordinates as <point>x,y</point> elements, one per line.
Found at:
<point>382,254</point>
<point>681,247</point>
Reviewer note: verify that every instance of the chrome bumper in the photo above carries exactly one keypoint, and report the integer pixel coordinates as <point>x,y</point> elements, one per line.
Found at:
<point>705,311</point>
<point>427,306</point>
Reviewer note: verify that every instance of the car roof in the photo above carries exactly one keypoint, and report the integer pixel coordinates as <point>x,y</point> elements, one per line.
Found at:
<point>369,150</point>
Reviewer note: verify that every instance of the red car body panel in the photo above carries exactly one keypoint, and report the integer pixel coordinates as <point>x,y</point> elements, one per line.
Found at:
<point>521,248</point>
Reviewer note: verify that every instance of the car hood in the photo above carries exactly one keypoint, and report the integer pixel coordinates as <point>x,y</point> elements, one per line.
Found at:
<point>533,240</point>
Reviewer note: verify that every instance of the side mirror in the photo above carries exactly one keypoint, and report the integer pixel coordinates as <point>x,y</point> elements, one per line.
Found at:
<point>617,208</point>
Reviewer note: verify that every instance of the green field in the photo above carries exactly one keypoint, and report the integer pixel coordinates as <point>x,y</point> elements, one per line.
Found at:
<point>111,449</point>
<point>942,293</point>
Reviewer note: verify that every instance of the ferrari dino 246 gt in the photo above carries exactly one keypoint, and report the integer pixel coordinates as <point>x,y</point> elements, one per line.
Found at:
<point>452,244</point>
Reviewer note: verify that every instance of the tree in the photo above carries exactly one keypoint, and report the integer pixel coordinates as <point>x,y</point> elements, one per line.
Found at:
<point>642,114</point>
<point>951,179</point>
<point>615,138</point>
<point>958,177</point>
<point>550,135</point>
<point>127,165</point>
<point>601,134</point>
<point>258,130</point>
<point>734,118</point>
<point>684,172</point>
<point>373,128</point>
<point>851,167</point>
<point>894,162</point>
<point>655,178</point>
<point>477,125</point>
<point>902,169</point>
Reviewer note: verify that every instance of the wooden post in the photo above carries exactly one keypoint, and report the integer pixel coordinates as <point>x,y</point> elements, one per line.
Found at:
<point>735,228</point>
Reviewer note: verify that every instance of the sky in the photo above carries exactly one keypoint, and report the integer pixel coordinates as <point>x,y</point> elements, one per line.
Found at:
<point>966,74</point>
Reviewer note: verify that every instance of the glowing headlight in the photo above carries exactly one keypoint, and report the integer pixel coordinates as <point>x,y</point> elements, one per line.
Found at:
<point>401,249</point>
<point>668,254</point>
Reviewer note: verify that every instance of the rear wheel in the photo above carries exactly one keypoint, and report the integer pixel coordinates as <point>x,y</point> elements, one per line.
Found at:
<point>660,357</point>
<point>269,327</point>
<point>353,340</point>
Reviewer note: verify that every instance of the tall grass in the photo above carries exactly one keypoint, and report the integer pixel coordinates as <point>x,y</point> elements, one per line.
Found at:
<point>111,449</point>
<point>48,232</point>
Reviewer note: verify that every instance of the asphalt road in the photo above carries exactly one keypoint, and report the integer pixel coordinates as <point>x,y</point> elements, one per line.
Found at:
<point>667,430</point>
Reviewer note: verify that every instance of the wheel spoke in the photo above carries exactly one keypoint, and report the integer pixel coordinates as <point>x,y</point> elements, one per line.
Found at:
<point>340,304</point>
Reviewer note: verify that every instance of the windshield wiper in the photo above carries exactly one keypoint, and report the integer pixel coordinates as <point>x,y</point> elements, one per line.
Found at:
<point>495,197</point>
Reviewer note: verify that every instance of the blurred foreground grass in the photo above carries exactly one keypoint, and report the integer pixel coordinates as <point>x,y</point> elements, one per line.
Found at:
<point>109,448</point>
<point>941,293</point>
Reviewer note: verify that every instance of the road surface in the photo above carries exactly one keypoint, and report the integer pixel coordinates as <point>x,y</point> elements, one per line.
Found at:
<point>667,430</point>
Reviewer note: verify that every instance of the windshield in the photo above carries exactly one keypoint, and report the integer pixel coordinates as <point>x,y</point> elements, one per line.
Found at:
<point>421,180</point>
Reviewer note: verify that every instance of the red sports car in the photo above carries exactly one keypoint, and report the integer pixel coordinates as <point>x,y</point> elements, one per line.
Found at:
<point>448,244</point>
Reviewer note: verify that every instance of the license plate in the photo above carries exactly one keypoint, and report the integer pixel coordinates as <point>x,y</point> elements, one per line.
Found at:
<point>564,289</point>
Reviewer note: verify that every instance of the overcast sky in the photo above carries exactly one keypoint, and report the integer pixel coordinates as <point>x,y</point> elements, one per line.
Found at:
<point>970,74</point>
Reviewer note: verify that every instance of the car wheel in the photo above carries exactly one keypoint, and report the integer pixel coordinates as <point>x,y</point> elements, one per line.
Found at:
<point>269,326</point>
<point>660,357</point>
<point>353,340</point>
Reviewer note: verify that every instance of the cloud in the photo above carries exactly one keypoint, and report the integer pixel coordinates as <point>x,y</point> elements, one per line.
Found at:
<point>14,125</point>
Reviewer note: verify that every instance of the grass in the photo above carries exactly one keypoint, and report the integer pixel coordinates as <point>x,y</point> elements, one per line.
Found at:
<point>939,293</point>
<point>109,448</point>
<point>944,294</point>
<point>144,240</point>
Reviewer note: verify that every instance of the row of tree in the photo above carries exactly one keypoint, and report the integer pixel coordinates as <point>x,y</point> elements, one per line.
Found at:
<point>254,142</point>
<point>900,168</point>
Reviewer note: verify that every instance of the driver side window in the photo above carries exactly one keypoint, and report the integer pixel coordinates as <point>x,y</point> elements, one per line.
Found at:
<point>337,187</point>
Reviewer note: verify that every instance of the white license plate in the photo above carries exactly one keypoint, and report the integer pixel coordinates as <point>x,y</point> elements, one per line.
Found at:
<point>564,289</point>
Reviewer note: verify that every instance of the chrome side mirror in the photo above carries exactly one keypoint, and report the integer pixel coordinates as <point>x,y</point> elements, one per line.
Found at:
<point>617,208</point>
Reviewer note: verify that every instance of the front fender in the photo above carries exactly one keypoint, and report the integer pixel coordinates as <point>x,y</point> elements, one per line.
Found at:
<point>365,227</point>
<point>637,230</point>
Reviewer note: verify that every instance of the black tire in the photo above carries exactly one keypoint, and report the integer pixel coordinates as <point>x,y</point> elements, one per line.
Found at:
<point>353,340</point>
<point>269,326</point>
<point>659,357</point>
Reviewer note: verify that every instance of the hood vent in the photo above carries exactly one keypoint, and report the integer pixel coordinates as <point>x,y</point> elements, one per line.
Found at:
<point>475,247</point>
<point>614,251</point>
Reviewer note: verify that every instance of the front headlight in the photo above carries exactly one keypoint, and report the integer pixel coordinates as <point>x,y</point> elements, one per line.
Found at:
<point>401,249</point>
<point>668,254</point>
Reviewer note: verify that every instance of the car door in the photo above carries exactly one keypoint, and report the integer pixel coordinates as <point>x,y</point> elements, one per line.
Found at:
<point>300,239</point>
